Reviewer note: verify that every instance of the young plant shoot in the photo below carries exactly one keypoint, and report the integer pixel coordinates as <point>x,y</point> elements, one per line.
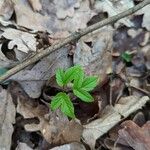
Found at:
<point>81,86</point>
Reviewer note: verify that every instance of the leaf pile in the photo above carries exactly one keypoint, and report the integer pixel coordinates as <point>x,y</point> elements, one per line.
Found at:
<point>110,113</point>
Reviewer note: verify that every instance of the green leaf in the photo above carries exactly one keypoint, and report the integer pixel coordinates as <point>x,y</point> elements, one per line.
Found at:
<point>60,77</point>
<point>63,101</point>
<point>89,83</point>
<point>67,108</point>
<point>78,79</point>
<point>71,73</point>
<point>127,56</point>
<point>56,101</point>
<point>83,95</point>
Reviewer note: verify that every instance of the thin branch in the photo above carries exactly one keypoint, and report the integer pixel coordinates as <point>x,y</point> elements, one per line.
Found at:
<point>73,37</point>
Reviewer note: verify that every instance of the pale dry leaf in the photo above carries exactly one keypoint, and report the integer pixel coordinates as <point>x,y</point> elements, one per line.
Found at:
<point>146,39</point>
<point>97,128</point>
<point>26,17</point>
<point>6,9</point>
<point>32,80</point>
<point>133,32</point>
<point>115,7</point>
<point>23,146</point>
<point>92,46</point>
<point>128,105</point>
<point>7,119</point>
<point>135,82</point>
<point>146,15</point>
<point>93,52</point>
<point>36,5</point>
<point>24,41</point>
<point>5,62</point>
<point>111,117</point>
<point>71,146</point>
<point>55,16</point>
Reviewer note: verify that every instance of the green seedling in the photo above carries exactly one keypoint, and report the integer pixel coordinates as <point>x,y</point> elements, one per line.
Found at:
<point>126,56</point>
<point>81,85</point>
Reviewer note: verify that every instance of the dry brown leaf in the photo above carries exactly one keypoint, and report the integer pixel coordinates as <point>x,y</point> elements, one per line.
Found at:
<point>54,126</point>
<point>139,119</point>
<point>7,119</point>
<point>136,137</point>
<point>32,80</point>
<point>113,143</point>
<point>54,16</point>
<point>112,115</point>
<point>93,52</point>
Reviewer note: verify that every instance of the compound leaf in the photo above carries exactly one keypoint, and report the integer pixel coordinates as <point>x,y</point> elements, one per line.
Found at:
<point>56,101</point>
<point>60,77</point>
<point>83,95</point>
<point>67,108</point>
<point>63,101</point>
<point>78,79</point>
<point>89,83</point>
<point>71,73</point>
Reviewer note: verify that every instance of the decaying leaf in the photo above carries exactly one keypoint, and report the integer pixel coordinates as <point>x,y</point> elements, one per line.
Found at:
<point>114,8</point>
<point>146,16</point>
<point>55,127</point>
<point>7,118</point>
<point>120,142</point>
<point>124,41</point>
<point>32,80</point>
<point>54,16</point>
<point>6,9</point>
<point>4,61</point>
<point>134,136</point>
<point>23,146</point>
<point>71,146</point>
<point>139,119</point>
<point>93,52</point>
<point>36,5</point>
<point>111,117</point>
<point>24,41</point>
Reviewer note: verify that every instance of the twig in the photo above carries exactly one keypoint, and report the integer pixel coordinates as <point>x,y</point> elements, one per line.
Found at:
<point>73,37</point>
<point>141,90</point>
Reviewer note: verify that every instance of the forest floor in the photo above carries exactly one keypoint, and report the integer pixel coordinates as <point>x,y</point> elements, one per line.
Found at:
<point>114,112</point>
